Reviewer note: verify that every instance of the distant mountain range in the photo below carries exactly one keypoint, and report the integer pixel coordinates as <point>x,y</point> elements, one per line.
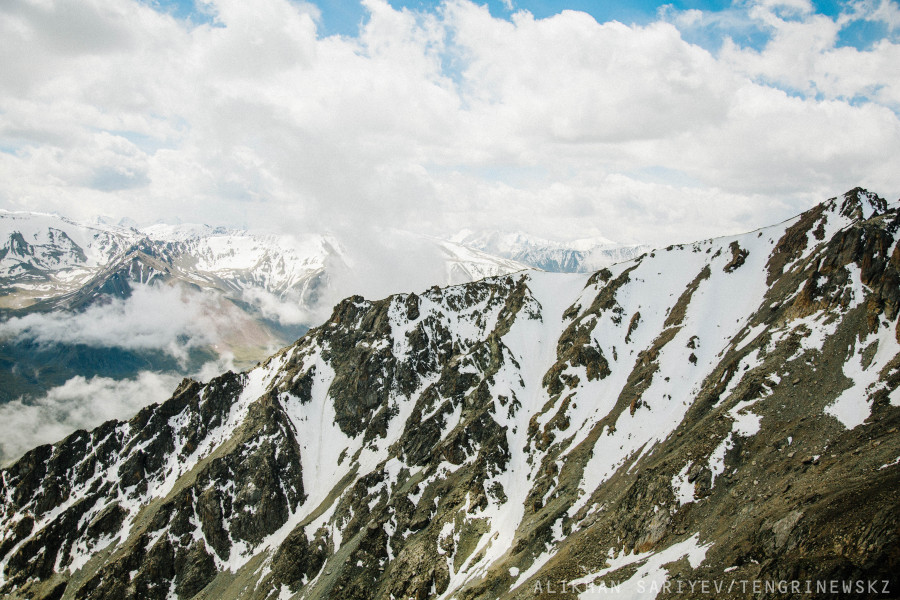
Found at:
<point>50,262</point>
<point>579,256</point>
<point>721,413</point>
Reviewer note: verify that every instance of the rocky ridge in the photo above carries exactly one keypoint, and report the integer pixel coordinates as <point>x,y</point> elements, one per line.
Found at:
<point>723,410</point>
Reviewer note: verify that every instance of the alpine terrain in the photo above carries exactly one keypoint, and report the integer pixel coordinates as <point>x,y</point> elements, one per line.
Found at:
<point>721,411</point>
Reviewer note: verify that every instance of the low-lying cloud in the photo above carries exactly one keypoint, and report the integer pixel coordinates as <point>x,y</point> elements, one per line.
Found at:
<point>286,310</point>
<point>381,262</point>
<point>85,403</point>
<point>169,319</point>
<point>162,318</point>
<point>78,404</point>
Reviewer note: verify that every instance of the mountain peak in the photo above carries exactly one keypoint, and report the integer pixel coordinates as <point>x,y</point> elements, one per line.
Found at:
<point>861,204</point>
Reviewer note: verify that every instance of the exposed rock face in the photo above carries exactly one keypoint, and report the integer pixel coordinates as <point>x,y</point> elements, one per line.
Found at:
<point>724,410</point>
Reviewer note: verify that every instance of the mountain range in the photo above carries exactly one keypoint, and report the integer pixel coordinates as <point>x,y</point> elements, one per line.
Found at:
<point>723,411</point>
<point>252,293</point>
<point>47,261</point>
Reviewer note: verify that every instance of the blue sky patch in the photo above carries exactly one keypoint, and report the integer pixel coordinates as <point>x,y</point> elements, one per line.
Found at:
<point>187,10</point>
<point>862,35</point>
<point>723,18</point>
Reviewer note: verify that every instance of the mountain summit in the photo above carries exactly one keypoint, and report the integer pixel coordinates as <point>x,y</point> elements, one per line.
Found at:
<point>719,411</point>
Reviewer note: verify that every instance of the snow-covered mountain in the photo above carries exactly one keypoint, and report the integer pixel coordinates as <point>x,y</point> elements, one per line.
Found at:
<point>579,256</point>
<point>47,258</point>
<point>47,255</point>
<point>721,411</point>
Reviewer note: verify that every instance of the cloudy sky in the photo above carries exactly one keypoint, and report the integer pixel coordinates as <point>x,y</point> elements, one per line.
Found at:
<point>637,121</point>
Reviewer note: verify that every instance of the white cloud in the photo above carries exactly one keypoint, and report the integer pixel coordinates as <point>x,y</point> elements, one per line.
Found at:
<point>152,318</point>
<point>378,259</point>
<point>785,7</point>
<point>567,80</point>
<point>79,403</point>
<point>803,54</point>
<point>172,320</point>
<point>82,403</point>
<point>435,121</point>
<point>287,311</point>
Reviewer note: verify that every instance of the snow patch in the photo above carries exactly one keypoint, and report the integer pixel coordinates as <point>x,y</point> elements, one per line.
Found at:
<point>717,458</point>
<point>896,461</point>
<point>853,406</point>
<point>684,491</point>
<point>746,423</point>
<point>651,575</point>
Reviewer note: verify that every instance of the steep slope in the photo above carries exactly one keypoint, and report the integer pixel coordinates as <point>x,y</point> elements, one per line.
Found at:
<point>721,411</point>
